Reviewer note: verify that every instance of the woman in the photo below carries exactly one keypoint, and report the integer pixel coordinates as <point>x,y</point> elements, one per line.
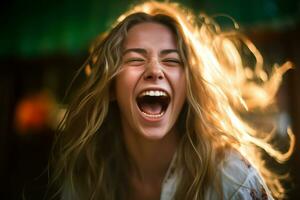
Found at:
<point>158,116</point>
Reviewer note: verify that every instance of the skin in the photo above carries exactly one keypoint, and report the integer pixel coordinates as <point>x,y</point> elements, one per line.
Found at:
<point>150,61</point>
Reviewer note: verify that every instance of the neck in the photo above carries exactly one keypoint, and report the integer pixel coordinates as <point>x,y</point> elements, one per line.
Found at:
<point>150,159</point>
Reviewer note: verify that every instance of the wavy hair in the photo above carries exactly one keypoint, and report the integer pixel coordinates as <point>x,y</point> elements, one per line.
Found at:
<point>89,156</point>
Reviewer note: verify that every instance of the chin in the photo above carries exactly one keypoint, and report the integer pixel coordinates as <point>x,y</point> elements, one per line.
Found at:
<point>154,133</point>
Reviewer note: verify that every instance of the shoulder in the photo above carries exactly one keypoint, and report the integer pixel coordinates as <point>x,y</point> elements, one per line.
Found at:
<point>240,180</point>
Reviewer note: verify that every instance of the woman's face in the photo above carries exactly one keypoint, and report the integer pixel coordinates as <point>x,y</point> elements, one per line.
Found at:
<point>151,88</point>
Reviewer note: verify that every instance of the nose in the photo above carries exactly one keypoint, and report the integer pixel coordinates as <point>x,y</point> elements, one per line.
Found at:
<point>153,72</point>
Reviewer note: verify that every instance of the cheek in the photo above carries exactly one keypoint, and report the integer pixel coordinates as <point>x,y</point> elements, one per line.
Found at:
<point>125,84</point>
<point>179,86</point>
<point>179,83</point>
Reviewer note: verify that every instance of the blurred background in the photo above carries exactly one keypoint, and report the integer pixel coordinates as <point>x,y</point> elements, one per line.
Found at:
<point>43,43</point>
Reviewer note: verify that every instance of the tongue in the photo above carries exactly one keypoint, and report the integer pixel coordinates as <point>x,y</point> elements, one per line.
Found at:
<point>151,109</point>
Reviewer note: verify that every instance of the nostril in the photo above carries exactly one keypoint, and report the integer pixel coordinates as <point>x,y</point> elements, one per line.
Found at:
<point>149,77</point>
<point>154,77</point>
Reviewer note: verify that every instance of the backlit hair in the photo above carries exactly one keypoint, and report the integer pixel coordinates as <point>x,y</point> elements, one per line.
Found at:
<point>89,155</point>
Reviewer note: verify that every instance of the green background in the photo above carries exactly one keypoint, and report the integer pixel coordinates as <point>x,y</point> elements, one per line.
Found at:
<point>36,28</point>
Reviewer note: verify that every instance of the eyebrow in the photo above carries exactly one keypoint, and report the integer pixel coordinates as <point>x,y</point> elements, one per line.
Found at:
<point>144,51</point>
<point>168,51</point>
<point>136,50</point>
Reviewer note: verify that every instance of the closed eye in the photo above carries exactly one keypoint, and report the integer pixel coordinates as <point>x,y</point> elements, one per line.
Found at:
<point>134,61</point>
<point>172,61</point>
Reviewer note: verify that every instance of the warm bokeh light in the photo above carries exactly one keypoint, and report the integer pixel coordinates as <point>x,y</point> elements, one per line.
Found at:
<point>33,113</point>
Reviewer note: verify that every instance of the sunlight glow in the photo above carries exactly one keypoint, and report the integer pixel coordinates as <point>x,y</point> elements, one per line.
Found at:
<point>216,61</point>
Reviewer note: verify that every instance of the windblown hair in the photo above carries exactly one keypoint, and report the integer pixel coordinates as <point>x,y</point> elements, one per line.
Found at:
<point>89,156</point>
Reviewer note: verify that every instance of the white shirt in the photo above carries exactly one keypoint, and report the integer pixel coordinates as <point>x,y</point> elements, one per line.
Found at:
<point>239,180</point>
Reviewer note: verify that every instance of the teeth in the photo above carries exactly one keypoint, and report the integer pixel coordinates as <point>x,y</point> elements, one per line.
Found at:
<point>155,93</point>
<point>154,116</point>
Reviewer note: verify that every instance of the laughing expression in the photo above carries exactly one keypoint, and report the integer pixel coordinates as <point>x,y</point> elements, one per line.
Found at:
<point>150,89</point>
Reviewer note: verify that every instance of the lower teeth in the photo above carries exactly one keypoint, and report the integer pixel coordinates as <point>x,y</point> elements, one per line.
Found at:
<point>153,116</point>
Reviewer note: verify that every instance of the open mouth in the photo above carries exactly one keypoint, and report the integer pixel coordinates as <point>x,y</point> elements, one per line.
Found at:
<point>153,103</point>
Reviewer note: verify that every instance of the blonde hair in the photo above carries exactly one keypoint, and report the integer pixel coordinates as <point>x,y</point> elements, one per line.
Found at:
<point>89,156</point>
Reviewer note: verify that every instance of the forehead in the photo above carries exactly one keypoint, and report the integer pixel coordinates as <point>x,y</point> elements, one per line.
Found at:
<point>150,34</point>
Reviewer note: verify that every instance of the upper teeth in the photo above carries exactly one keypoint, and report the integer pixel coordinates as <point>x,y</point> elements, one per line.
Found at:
<point>153,93</point>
